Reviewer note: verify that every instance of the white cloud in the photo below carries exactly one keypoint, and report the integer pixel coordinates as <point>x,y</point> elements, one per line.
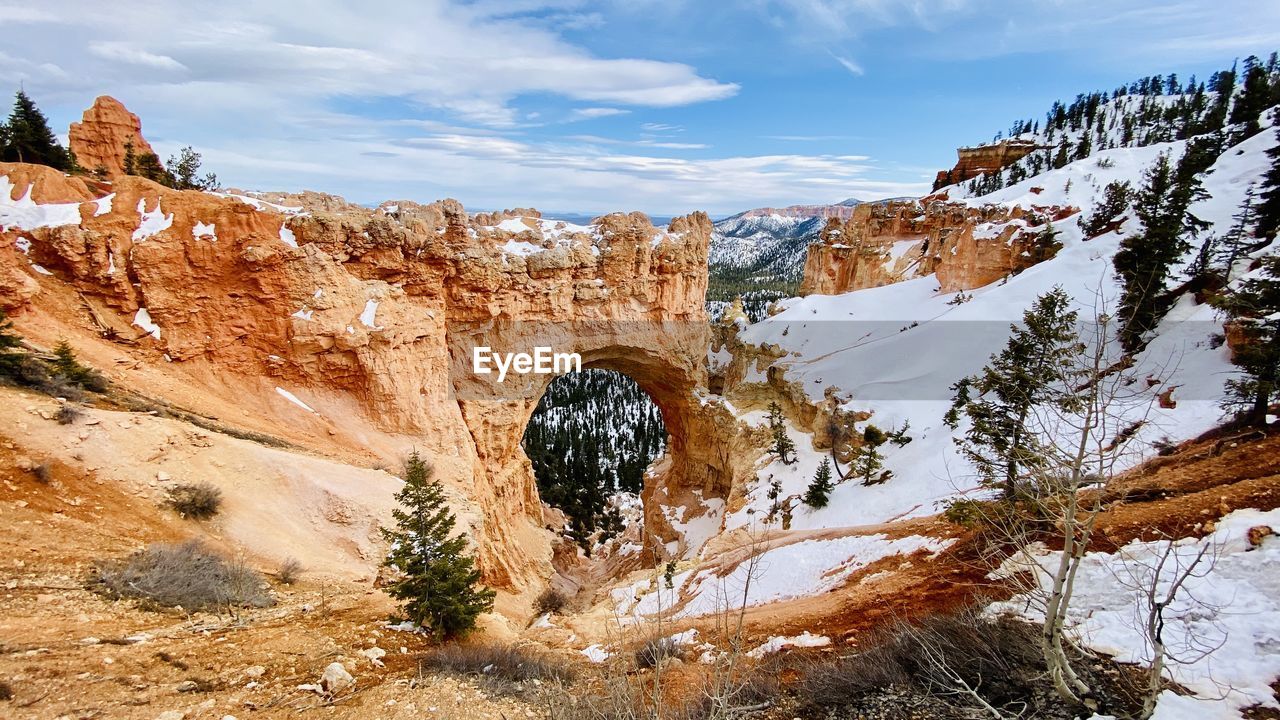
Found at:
<point>853,67</point>
<point>129,54</point>
<point>592,113</point>
<point>464,59</point>
<point>22,14</point>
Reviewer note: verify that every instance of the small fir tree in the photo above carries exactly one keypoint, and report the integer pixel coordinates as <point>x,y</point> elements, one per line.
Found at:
<point>130,162</point>
<point>783,447</point>
<point>998,401</point>
<point>1239,239</point>
<point>773,493</point>
<point>1253,307</point>
<point>28,139</point>
<point>438,586</point>
<point>867,459</point>
<point>819,491</point>
<point>68,366</point>
<point>1115,201</point>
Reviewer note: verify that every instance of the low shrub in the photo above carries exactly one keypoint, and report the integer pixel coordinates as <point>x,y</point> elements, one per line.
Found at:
<point>196,500</point>
<point>290,571</point>
<point>43,473</point>
<point>500,666</point>
<point>550,601</point>
<point>655,650</point>
<point>186,575</point>
<point>67,414</point>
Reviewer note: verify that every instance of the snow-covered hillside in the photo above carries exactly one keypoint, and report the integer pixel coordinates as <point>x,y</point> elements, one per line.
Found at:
<point>895,351</point>
<point>773,246</point>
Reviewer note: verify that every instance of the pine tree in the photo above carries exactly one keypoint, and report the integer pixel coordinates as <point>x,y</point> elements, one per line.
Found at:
<point>783,447</point>
<point>819,491</point>
<point>9,341</point>
<point>867,459</point>
<point>185,171</point>
<point>68,367</point>
<point>1268,223</point>
<point>1253,307</point>
<point>1115,201</point>
<point>1144,260</point>
<point>1029,371</point>
<point>1222,254</point>
<point>1253,100</point>
<point>28,139</point>
<point>773,493</point>
<point>438,583</point>
<point>130,163</point>
<point>149,166</point>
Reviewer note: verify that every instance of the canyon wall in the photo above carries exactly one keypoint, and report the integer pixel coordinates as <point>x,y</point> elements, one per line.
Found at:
<point>974,161</point>
<point>966,246</point>
<point>380,309</point>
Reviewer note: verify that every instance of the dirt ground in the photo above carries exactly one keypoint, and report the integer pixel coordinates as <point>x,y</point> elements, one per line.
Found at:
<point>71,495</point>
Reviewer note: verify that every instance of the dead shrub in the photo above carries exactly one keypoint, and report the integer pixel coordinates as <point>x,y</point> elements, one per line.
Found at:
<point>955,658</point>
<point>6,692</point>
<point>42,473</point>
<point>550,601</point>
<point>655,650</point>
<point>290,571</point>
<point>60,387</point>
<point>67,414</point>
<point>501,667</point>
<point>186,575</point>
<point>196,500</point>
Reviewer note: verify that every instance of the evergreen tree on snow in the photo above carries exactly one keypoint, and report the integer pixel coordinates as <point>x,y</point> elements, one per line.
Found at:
<point>1253,307</point>
<point>438,584</point>
<point>998,401</point>
<point>867,459</point>
<point>1145,259</point>
<point>1268,222</point>
<point>816,496</point>
<point>783,446</point>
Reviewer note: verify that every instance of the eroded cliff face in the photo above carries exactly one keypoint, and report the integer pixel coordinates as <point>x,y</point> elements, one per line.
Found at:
<point>974,161</point>
<point>381,308</point>
<point>99,139</point>
<point>966,246</point>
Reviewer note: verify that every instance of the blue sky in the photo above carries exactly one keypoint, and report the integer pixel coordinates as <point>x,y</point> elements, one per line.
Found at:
<point>568,105</point>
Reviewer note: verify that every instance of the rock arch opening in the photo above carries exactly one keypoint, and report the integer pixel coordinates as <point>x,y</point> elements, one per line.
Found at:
<point>590,440</point>
<point>693,479</point>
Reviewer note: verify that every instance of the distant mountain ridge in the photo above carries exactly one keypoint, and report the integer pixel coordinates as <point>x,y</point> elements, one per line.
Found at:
<point>769,243</point>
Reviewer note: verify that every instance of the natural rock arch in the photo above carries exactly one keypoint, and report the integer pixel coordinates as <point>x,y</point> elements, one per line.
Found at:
<point>371,316</point>
<point>667,360</point>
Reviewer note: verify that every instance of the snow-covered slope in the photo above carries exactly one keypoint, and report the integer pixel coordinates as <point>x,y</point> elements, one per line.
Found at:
<point>896,350</point>
<point>769,245</point>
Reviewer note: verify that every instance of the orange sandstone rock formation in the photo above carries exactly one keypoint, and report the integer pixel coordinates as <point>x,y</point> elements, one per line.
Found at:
<point>974,161</point>
<point>965,246</point>
<point>378,310</point>
<point>99,139</point>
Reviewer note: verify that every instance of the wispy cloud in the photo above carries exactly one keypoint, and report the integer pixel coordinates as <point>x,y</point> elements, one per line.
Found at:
<point>443,54</point>
<point>133,55</point>
<point>853,67</point>
<point>592,113</point>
